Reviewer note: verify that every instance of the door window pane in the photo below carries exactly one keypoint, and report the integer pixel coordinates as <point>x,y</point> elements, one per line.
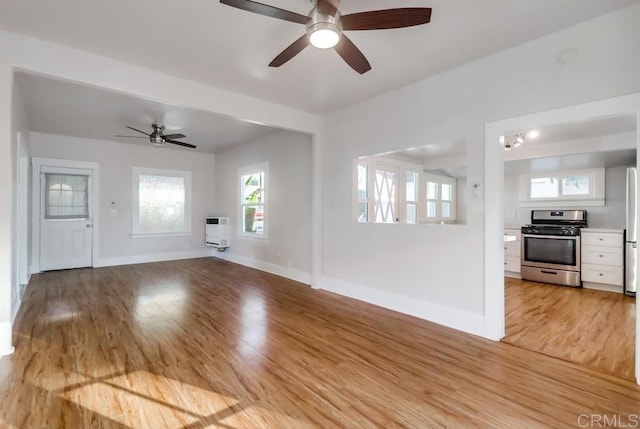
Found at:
<point>446,209</point>
<point>411,213</point>
<point>432,190</point>
<point>412,180</point>
<point>362,182</point>
<point>431,209</point>
<point>363,212</point>
<point>67,196</point>
<point>446,192</point>
<point>385,196</point>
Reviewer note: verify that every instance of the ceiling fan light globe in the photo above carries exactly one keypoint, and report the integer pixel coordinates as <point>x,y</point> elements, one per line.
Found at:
<point>324,35</point>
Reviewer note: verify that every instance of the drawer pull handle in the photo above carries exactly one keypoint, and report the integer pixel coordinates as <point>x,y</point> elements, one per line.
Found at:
<point>601,274</point>
<point>548,272</point>
<point>602,256</point>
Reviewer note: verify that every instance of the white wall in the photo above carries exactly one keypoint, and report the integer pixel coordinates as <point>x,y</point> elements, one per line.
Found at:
<point>437,271</point>
<point>116,161</point>
<point>611,216</point>
<point>287,249</point>
<point>42,57</point>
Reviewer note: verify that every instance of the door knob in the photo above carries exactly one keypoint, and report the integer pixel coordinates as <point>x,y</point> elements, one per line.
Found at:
<point>89,225</point>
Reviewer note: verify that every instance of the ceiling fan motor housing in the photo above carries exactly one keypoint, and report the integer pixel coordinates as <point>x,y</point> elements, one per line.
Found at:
<point>323,22</point>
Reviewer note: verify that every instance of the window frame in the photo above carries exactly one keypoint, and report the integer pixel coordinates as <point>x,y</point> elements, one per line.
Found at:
<point>439,180</point>
<point>262,167</point>
<point>135,201</point>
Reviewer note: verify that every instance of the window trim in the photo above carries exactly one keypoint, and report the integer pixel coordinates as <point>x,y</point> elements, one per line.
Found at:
<point>243,171</point>
<point>135,201</point>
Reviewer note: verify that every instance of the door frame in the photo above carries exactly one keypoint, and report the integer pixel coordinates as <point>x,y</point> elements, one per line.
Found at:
<point>494,311</point>
<point>22,224</point>
<point>37,164</point>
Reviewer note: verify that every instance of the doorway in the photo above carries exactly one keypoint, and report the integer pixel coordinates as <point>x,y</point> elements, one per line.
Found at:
<point>495,204</point>
<point>64,214</point>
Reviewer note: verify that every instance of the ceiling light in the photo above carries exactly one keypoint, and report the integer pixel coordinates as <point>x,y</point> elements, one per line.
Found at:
<point>509,142</point>
<point>324,35</point>
<point>533,134</point>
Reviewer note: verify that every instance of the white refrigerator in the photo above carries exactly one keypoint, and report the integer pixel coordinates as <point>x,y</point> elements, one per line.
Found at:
<point>631,234</point>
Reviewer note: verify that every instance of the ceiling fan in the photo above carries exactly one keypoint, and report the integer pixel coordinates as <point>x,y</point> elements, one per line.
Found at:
<point>158,137</point>
<point>325,27</point>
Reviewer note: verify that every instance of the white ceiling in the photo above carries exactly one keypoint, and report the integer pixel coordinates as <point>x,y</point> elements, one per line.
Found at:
<point>570,132</point>
<point>206,41</point>
<point>60,107</point>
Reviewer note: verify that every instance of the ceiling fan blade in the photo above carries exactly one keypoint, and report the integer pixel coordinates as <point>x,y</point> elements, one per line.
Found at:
<point>352,55</point>
<point>267,10</point>
<point>328,6</point>
<point>134,137</point>
<point>291,51</point>
<point>388,18</point>
<point>142,132</point>
<point>173,136</point>
<point>180,143</point>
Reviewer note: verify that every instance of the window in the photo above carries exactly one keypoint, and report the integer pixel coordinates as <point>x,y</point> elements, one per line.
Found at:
<point>161,202</point>
<point>389,190</point>
<point>411,196</point>
<point>385,194</point>
<point>253,203</point>
<point>362,190</point>
<point>440,194</point>
<point>579,186</point>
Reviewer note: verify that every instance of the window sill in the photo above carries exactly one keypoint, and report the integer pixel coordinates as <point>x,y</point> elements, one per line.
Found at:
<point>251,236</point>
<point>160,234</point>
<point>562,202</point>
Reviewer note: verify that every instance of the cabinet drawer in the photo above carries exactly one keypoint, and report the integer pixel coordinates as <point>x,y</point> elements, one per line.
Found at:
<point>601,239</point>
<point>512,248</point>
<point>515,232</point>
<point>600,255</point>
<point>602,274</point>
<point>512,263</point>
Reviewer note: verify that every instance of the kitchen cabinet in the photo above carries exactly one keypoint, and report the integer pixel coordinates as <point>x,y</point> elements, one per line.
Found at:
<point>512,253</point>
<point>602,259</point>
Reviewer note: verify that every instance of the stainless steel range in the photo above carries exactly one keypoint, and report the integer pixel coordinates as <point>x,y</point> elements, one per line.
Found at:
<point>551,247</point>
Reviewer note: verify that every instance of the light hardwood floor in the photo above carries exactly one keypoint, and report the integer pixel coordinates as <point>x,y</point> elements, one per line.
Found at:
<point>207,343</point>
<point>587,326</point>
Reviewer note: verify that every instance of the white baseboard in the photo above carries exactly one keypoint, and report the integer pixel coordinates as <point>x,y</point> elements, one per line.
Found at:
<point>461,320</point>
<point>6,346</point>
<point>512,275</point>
<point>156,257</point>
<point>279,270</point>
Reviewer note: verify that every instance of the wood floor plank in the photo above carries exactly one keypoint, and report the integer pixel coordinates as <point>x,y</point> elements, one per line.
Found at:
<point>587,326</point>
<point>207,343</point>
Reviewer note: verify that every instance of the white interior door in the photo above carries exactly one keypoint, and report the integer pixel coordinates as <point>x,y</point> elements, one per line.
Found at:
<point>66,229</point>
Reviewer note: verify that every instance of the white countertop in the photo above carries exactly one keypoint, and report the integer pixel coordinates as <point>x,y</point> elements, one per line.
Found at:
<point>603,230</point>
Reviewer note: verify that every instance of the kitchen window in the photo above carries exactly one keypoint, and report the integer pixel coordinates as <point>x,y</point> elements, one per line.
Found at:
<point>161,202</point>
<point>253,200</point>
<point>578,187</point>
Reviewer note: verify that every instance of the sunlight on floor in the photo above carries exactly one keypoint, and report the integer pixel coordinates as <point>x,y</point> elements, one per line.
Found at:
<point>142,400</point>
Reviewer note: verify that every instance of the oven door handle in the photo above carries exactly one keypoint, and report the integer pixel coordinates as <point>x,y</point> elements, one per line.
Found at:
<point>561,237</point>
